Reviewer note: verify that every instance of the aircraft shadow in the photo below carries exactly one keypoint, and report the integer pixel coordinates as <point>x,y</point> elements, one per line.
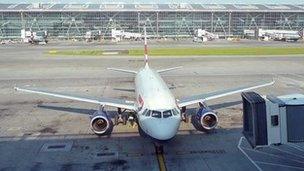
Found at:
<point>225,105</point>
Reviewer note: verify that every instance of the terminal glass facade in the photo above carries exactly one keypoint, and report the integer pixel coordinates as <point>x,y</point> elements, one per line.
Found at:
<point>159,23</point>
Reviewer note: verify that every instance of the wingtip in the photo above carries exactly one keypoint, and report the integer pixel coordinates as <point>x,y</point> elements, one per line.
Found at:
<point>270,82</point>
<point>110,68</point>
<point>273,81</point>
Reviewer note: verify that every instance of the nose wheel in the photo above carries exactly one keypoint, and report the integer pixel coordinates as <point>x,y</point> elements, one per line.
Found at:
<point>159,148</point>
<point>141,132</point>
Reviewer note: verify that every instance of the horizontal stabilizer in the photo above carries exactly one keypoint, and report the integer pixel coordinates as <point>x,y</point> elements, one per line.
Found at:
<point>168,69</point>
<point>175,87</point>
<point>125,89</point>
<point>122,70</point>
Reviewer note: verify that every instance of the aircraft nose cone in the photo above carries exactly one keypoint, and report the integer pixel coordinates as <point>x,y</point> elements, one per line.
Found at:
<point>164,129</point>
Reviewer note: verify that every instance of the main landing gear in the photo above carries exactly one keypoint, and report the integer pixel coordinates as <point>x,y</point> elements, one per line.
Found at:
<point>123,117</point>
<point>185,117</point>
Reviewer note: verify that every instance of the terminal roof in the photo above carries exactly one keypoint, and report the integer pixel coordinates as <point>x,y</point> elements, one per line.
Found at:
<point>154,7</point>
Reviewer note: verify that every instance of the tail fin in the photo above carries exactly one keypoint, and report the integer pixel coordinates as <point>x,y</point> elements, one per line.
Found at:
<point>145,46</point>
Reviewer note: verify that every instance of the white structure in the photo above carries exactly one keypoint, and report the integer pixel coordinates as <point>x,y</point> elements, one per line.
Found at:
<point>280,35</point>
<point>283,112</point>
<point>92,35</point>
<point>39,37</point>
<point>118,35</point>
<point>128,35</point>
<point>26,36</point>
<point>273,120</point>
<point>201,35</point>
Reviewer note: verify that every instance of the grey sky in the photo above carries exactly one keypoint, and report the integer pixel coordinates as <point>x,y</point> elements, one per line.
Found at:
<point>162,1</point>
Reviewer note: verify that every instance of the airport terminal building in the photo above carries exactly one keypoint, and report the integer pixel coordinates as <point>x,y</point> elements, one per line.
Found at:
<point>162,20</point>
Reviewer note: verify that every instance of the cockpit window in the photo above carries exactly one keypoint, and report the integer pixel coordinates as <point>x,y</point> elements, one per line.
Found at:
<point>156,114</point>
<point>167,113</point>
<point>175,111</point>
<point>148,113</point>
<point>144,112</point>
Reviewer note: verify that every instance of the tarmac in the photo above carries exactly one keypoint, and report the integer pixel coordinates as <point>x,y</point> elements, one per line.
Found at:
<point>42,133</point>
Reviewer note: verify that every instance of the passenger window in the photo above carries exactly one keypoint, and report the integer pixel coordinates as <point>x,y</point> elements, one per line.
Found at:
<point>175,111</point>
<point>167,113</point>
<point>156,114</point>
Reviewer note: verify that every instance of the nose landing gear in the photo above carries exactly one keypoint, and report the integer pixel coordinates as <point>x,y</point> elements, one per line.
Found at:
<point>159,148</point>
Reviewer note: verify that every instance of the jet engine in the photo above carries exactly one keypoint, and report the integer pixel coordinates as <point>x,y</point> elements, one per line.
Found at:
<point>205,119</point>
<point>101,124</point>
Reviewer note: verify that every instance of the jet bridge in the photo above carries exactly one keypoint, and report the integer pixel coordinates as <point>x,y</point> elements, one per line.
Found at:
<point>273,120</point>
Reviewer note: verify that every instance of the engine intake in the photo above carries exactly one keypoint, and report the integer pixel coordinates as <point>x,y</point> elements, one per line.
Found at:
<point>101,124</point>
<point>205,119</point>
<point>209,120</point>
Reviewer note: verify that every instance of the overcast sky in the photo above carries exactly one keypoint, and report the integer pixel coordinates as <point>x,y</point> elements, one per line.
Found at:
<point>162,1</point>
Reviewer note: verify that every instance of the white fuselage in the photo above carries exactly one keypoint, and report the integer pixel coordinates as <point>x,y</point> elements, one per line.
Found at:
<point>158,113</point>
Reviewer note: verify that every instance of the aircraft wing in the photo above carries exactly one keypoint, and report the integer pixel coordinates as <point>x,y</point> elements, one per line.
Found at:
<point>119,103</point>
<point>217,94</point>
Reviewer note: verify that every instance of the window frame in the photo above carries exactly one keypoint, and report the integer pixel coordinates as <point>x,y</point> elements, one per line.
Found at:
<point>156,111</point>
<point>175,112</point>
<point>167,116</point>
<point>148,114</point>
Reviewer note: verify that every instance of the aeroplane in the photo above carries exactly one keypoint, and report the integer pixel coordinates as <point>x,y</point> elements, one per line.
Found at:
<point>157,112</point>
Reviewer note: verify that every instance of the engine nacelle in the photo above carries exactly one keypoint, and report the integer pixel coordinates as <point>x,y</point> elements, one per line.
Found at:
<point>205,119</point>
<point>101,124</point>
